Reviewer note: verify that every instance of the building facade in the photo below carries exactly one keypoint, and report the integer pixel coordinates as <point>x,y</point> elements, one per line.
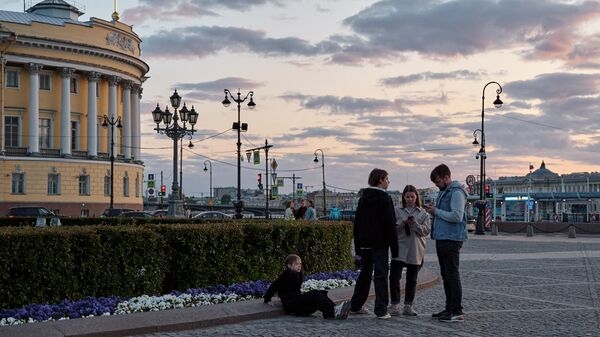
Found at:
<point>61,80</point>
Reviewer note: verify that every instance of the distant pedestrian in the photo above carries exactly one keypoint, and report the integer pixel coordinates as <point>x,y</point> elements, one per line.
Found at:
<point>310,214</point>
<point>412,227</point>
<point>289,211</point>
<point>301,210</point>
<point>288,286</point>
<point>374,236</point>
<point>449,231</point>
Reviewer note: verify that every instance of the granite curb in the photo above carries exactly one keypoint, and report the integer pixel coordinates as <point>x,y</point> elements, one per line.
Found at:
<point>174,319</point>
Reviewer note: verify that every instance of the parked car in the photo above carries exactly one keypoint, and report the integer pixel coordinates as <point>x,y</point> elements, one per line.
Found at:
<point>136,214</point>
<point>112,212</point>
<point>212,215</point>
<point>160,213</point>
<point>30,211</point>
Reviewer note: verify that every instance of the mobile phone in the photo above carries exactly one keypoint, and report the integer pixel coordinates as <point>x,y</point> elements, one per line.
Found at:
<point>411,217</point>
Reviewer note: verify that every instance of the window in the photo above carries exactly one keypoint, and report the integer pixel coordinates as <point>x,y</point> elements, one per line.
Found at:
<point>44,133</point>
<point>45,81</point>
<point>11,131</point>
<point>84,185</point>
<point>53,184</point>
<point>12,79</point>
<point>97,89</point>
<point>125,186</point>
<point>74,85</point>
<point>74,135</point>
<point>18,183</point>
<point>106,185</point>
<point>137,186</point>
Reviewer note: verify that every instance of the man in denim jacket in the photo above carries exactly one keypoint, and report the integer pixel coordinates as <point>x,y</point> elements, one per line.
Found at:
<point>449,230</point>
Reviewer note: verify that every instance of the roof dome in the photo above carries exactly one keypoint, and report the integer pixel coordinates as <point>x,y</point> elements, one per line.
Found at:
<point>56,8</point>
<point>542,173</point>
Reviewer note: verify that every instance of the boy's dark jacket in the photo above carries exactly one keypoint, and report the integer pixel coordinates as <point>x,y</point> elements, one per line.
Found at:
<point>375,221</point>
<point>287,285</point>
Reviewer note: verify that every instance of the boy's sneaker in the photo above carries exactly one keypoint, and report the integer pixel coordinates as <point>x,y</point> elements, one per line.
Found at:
<point>408,310</point>
<point>342,310</point>
<point>448,317</point>
<point>394,310</point>
<point>386,316</point>
<point>361,311</point>
<point>441,313</point>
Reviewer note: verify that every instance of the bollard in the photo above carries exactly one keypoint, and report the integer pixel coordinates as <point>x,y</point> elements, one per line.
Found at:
<point>529,230</point>
<point>494,229</point>
<point>571,232</point>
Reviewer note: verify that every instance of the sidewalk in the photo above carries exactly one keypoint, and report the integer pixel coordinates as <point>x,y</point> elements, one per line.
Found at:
<point>171,320</point>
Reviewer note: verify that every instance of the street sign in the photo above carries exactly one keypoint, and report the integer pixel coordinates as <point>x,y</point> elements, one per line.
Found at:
<point>151,184</point>
<point>470,180</point>
<point>299,186</point>
<point>150,176</point>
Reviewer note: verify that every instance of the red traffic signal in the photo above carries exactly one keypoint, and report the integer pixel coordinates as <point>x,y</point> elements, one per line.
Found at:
<point>163,188</point>
<point>487,189</point>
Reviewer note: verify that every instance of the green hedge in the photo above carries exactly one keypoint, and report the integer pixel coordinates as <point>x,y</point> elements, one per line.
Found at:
<point>46,265</point>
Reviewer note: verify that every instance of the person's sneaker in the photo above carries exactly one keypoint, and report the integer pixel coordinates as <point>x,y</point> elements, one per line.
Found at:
<point>448,317</point>
<point>437,315</point>
<point>394,309</point>
<point>342,310</point>
<point>408,310</point>
<point>386,316</point>
<point>361,311</point>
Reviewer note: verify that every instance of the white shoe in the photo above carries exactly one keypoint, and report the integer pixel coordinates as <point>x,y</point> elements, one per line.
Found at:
<point>394,309</point>
<point>386,316</point>
<point>362,311</point>
<point>408,310</point>
<point>342,310</point>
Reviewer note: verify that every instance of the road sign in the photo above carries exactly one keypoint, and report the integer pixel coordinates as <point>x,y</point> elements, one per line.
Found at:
<point>299,186</point>
<point>470,180</point>
<point>151,184</point>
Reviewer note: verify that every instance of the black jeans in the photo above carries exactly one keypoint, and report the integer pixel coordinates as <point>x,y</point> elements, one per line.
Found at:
<point>412,272</point>
<point>372,259</point>
<point>448,253</point>
<point>309,302</point>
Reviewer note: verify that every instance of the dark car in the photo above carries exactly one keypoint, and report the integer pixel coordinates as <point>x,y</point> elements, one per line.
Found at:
<point>30,211</point>
<point>112,212</point>
<point>136,214</point>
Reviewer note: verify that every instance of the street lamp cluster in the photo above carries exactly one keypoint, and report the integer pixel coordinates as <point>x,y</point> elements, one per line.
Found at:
<point>481,203</point>
<point>175,131</point>
<point>112,121</point>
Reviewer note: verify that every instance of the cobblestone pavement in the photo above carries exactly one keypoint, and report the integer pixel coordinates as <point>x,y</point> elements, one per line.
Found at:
<point>547,285</point>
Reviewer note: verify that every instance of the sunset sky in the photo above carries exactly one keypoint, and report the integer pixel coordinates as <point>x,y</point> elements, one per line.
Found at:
<point>389,84</point>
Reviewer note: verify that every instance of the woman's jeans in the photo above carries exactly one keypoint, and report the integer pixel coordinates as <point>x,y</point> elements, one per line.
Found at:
<point>412,272</point>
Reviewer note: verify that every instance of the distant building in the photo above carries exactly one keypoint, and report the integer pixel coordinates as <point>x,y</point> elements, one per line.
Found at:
<point>59,78</point>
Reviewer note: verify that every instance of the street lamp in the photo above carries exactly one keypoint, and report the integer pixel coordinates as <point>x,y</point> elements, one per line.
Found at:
<point>175,131</point>
<point>239,204</point>
<point>479,229</point>
<point>316,160</point>
<point>112,122</point>
<point>205,169</point>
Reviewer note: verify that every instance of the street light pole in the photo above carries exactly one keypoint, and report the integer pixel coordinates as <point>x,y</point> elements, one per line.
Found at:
<point>112,122</point>
<point>175,131</point>
<point>316,160</point>
<point>239,204</point>
<point>479,229</point>
<point>210,192</point>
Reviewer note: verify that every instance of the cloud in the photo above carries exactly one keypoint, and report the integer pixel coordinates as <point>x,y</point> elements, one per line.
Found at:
<point>426,76</point>
<point>554,86</point>
<point>347,105</point>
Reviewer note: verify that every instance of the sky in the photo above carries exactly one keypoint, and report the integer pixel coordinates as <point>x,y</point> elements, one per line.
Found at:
<point>396,85</point>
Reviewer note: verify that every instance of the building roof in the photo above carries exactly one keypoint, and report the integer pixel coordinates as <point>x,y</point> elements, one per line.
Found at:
<point>37,13</point>
<point>542,173</point>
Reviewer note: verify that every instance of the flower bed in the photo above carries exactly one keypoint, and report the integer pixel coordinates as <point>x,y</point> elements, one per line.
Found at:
<point>104,306</point>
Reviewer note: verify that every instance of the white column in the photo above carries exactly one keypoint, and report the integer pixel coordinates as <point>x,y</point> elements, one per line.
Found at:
<point>65,111</point>
<point>136,94</point>
<point>127,125</point>
<point>112,108</point>
<point>92,121</point>
<point>34,108</point>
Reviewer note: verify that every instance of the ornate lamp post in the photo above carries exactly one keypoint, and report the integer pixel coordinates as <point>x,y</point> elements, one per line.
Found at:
<point>210,192</point>
<point>239,204</point>
<point>112,122</point>
<point>316,160</point>
<point>175,131</point>
<point>479,229</point>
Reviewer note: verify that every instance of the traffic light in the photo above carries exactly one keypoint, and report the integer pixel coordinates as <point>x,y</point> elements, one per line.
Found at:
<point>163,191</point>
<point>260,185</point>
<point>488,194</point>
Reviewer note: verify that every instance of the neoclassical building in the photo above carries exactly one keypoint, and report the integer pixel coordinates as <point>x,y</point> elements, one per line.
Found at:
<point>62,79</point>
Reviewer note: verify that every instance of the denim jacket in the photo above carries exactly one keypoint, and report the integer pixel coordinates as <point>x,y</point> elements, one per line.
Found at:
<point>450,222</point>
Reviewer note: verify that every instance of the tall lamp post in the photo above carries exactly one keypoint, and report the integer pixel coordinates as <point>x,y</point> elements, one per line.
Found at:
<point>479,229</point>
<point>112,121</point>
<point>175,131</point>
<point>316,160</point>
<point>210,192</point>
<point>239,204</point>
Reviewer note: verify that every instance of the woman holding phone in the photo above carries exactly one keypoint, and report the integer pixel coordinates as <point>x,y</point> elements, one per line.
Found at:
<point>413,227</point>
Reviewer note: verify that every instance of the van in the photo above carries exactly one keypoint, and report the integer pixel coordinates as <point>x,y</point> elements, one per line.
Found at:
<point>30,212</point>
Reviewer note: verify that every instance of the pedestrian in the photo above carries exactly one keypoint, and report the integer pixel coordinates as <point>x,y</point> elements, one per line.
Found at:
<point>289,211</point>
<point>288,286</point>
<point>299,214</point>
<point>310,213</point>
<point>412,228</point>
<point>374,236</point>
<point>449,231</point>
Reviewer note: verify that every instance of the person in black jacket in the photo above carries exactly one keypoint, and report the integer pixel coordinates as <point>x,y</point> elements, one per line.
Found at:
<point>374,236</point>
<point>288,285</point>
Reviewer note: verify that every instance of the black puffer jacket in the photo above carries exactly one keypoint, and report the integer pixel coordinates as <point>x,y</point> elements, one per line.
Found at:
<point>375,221</point>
